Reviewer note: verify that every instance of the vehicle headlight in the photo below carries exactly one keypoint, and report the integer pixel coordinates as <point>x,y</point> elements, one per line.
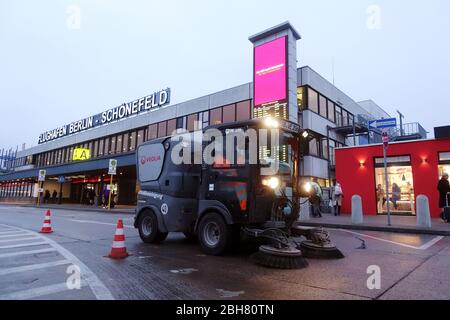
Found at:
<point>307,187</point>
<point>271,123</point>
<point>272,182</point>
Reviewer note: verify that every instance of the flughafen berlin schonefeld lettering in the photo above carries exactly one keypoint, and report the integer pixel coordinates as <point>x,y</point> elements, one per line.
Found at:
<point>154,101</point>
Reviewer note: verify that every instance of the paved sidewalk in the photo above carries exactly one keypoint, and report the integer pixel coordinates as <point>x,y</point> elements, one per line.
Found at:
<point>379,223</point>
<point>119,209</point>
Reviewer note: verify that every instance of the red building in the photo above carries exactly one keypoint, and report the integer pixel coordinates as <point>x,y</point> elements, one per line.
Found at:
<point>414,166</point>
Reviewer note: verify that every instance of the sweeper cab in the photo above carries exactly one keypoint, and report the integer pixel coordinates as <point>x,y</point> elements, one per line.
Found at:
<point>224,182</point>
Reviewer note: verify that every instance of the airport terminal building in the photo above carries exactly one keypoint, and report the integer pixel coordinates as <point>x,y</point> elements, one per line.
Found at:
<point>76,156</point>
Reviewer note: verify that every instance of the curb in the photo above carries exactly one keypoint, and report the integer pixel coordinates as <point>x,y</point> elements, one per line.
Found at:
<point>376,228</point>
<point>113,211</point>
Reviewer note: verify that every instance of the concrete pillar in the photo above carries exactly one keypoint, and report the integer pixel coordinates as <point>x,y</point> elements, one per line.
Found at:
<point>357,212</point>
<point>423,212</point>
<point>305,209</point>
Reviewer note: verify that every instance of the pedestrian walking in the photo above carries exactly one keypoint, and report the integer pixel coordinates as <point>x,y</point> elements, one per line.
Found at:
<point>46,196</point>
<point>316,199</point>
<point>337,195</point>
<point>444,197</point>
<point>381,198</point>
<point>54,196</point>
<point>396,195</point>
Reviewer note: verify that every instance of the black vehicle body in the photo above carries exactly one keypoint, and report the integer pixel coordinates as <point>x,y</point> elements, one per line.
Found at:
<point>177,197</point>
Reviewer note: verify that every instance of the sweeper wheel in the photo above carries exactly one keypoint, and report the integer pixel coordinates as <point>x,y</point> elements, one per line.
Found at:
<point>312,250</point>
<point>285,258</point>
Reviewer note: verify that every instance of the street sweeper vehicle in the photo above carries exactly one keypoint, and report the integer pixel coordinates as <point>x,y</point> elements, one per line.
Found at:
<point>227,182</point>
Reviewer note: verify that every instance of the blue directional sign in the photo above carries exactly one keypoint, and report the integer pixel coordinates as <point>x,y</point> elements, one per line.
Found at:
<point>383,123</point>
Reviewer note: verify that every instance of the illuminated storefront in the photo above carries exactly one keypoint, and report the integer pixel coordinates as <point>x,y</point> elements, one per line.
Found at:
<point>414,168</point>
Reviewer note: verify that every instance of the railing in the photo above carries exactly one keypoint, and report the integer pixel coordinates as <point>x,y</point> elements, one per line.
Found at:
<point>409,130</point>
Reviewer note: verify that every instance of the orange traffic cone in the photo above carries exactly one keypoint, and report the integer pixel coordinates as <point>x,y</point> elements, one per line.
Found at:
<point>119,251</point>
<point>47,227</point>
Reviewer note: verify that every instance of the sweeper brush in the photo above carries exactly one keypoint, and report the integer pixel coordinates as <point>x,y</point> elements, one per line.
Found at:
<point>285,258</point>
<point>318,244</point>
<point>280,253</point>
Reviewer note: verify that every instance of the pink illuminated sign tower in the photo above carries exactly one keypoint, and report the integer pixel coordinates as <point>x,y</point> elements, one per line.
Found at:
<point>275,72</point>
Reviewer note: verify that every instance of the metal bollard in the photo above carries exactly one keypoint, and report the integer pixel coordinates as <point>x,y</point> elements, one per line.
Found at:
<point>423,212</point>
<point>357,212</point>
<point>305,209</point>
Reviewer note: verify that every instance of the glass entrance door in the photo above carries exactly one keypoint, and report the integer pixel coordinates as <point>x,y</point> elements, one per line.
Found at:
<point>401,190</point>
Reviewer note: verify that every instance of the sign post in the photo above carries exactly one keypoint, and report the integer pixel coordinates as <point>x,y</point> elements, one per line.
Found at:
<point>41,179</point>
<point>385,138</point>
<point>384,124</point>
<point>61,180</point>
<point>112,170</point>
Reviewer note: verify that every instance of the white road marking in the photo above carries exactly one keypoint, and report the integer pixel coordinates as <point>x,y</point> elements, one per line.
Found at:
<point>15,235</point>
<point>22,253</point>
<point>23,239</point>
<point>31,244</point>
<point>431,243</point>
<point>13,232</point>
<point>36,292</point>
<point>103,223</point>
<point>229,294</point>
<point>423,247</point>
<point>184,271</point>
<point>100,291</point>
<point>33,267</point>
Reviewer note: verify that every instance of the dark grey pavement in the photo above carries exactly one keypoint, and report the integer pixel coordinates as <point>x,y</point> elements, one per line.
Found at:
<point>412,266</point>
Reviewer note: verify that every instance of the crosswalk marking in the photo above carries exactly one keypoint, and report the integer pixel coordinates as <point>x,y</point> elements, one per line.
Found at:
<point>35,292</point>
<point>23,239</point>
<point>11,232</point>
<point>23,253</point>
<point>33,267</point>
<point>15,235</point>
<point>89,279</point>
<point>31,244</point>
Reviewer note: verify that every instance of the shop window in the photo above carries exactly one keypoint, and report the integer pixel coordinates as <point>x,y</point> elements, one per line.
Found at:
<point>133,141</point>
<point>95,151</point>
<point>215,116</point>
<point>112,149</point>
<point>125,142</point>
<point>401,186</point>
<point>119,143</point>
<point>331,115</point>
<point>444,156</point>
<point>171,126</point>
<point>301,101</point>
<point>313,100</point>
<point>323,106</point>
<point>444,163</point>
<point>243,110</point>
<point>191,122</point>
<point>181,123</point>
<point>70,154</point>
<point>100,148</point>
<point>229,113</point>
<point>152,131</point>
<point>107,145</point>
<point>203,119</point>
<point>162,129</point>
<point>140,137</point>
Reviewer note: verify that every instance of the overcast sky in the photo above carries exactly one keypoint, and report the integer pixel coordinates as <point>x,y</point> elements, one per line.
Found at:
<point>56,68</point>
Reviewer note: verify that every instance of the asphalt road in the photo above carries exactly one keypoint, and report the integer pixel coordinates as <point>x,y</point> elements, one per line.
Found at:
<point>36,266</point>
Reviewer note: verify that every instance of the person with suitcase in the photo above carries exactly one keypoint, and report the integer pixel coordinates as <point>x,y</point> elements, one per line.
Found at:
<point>444,191</point>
